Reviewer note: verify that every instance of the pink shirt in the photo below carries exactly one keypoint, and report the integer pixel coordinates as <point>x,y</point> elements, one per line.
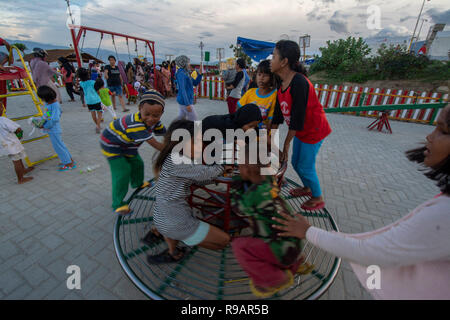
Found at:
<point>413,253</point>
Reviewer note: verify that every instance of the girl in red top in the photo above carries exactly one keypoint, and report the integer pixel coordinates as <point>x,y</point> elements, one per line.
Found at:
<point>298,105</point>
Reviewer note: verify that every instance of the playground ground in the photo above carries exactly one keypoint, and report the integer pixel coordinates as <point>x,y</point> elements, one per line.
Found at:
<point>64,218</point>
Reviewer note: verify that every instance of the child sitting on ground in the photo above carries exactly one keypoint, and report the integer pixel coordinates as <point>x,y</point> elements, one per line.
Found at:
<point>91,97</point>
<point>10,133</point>
<point>120,142</point>
<point>172,216</point>
<point>270,261</point>
<point>105,96</point>
<point>51,126</point>
<point>265,96</point>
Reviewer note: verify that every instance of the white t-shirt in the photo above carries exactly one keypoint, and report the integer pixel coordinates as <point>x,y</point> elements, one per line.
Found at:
<point>9,143</point>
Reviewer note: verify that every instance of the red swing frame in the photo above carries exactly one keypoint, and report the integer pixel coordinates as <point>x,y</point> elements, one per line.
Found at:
<point>82,29</point>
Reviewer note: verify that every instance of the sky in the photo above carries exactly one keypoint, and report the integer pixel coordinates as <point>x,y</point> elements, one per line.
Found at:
<point>178,26</point>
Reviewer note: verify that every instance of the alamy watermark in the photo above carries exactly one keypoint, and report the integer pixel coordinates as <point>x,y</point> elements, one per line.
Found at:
<point>373,17</point>
<point>74,280</point>
<point>374,280</point>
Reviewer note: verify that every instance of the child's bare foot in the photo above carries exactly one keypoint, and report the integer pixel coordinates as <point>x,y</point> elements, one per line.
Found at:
<point>29,169</point>
<point>24,180</point>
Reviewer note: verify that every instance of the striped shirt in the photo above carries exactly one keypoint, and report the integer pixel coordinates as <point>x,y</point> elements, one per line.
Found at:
<point>123,136</point>
<point>171,213</point>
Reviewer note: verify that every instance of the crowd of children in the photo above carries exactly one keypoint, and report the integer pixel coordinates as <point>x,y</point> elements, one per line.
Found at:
<point>269,260</point>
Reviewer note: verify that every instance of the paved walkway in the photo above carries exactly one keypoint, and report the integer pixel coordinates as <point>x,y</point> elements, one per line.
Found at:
<point>64,218</point>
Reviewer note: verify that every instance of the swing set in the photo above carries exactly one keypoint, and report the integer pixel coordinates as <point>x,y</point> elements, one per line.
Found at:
<point>81,33</point>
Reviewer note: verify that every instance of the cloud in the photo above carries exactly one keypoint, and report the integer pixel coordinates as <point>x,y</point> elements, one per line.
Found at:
<point>339,22</point>
<point>206,34</point>
<point>406,18</point>
<point>439,16</point>
<point>26,36</point>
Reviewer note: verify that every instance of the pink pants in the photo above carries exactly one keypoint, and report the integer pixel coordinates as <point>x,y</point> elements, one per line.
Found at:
<point>257,259</point>
<point>232,104</point>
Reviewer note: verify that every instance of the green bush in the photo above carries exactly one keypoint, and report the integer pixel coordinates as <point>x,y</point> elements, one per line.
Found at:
<point>348,60</point>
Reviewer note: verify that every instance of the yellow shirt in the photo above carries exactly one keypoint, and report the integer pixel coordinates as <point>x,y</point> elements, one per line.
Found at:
<point>265,103</point>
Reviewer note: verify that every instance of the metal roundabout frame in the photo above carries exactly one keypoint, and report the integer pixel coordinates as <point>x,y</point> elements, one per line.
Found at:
<point>206,274</point>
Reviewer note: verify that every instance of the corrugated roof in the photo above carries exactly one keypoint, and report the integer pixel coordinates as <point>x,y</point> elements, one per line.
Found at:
<point>69,54</point>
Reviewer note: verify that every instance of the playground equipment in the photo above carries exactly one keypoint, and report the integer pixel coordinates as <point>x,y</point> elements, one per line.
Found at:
<point>403,104</point>
<point>76,37</point>
<point>206,274</point>
<point>23,75</point>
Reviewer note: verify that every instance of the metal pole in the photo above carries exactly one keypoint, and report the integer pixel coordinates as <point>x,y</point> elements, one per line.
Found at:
<point>415,28</point>
<point>420,29</point>
<point>201,56</point>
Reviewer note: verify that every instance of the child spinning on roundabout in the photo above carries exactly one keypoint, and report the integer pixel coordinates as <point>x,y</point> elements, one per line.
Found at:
<point>173,217</point>
<point>270,260</point>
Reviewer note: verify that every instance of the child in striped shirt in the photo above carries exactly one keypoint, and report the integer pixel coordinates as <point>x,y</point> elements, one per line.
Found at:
<point>120,142</point>
<point>172,215</point>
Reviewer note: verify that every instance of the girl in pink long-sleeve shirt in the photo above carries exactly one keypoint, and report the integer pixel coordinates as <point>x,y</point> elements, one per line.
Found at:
<point>413,253</point>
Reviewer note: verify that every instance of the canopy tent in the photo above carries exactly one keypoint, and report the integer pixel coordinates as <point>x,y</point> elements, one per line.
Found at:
<point>69,54</point>
<point>255,49</point>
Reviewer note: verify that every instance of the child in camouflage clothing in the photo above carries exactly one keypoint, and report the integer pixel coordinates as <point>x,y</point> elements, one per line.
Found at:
<point>270,261</point>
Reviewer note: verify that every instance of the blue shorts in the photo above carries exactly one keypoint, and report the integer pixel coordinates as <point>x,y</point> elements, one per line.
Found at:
<point>116,89</point>
<point>199,235</point>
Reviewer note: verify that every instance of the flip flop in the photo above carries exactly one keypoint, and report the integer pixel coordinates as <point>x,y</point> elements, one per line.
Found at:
<point>318,206</point>
<point>166,257</point>
<point>123,211</point>
<point>67,168</point>
<point>296,193</point>
<point>145,185</point>
<point>270,291</point>
<point>305,268</point>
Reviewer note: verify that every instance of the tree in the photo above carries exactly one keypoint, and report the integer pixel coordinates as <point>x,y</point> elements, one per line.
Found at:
<point>239,53</point>
<point>20,46</point>
<point>343,56</point>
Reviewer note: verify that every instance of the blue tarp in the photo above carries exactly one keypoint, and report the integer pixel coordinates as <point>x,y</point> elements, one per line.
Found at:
<point>255,49</point>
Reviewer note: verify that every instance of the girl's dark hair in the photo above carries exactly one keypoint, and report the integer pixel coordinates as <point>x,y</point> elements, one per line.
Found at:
<point>241,63</point>
<point>264,67</point>
<point>46,93</point>
<point>440,173</point>
<point>169,144</point>
<point>290,50</point>
<point>83,74</point>
<point>99,83</point>
<point>112,57</point>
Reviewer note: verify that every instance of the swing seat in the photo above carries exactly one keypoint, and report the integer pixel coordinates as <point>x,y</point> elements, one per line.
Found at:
<point>13,73</point>
<point>212,275</point>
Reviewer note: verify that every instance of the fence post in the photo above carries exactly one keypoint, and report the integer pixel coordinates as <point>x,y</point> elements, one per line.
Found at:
<point>435,112</point>
<point>210,88</point>
<point>361,102</point>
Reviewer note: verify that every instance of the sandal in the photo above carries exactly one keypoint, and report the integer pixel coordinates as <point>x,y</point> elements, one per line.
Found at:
<point>67,167</point>
<point>166,257</point>
<point>145,185</point>
<point>151,237</point>
<point>305,268</point>
<point>298,192</point>
<point>123,211</point>
<point>270,291</point>
<point>318,206</point>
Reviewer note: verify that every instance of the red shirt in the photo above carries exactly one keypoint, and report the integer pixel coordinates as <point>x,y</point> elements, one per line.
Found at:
<point>299,106</point>
<point>2,42</point>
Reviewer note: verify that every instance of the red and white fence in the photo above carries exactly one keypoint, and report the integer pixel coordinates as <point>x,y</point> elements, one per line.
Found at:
<point>351,96</point>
